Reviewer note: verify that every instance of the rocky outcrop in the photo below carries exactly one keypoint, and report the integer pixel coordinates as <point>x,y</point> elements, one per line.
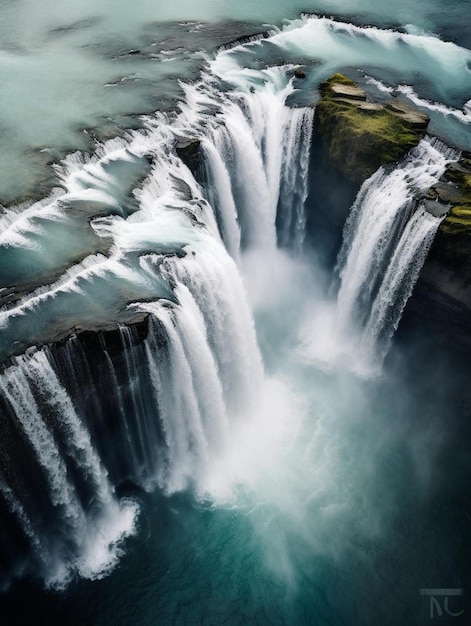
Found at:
<point>448,267</point>
<point>359,136</point>
<point>456,191</point>
<point>352,137</point>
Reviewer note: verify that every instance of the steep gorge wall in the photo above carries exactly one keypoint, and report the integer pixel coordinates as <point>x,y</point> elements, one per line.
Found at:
<point>449,264</point>
<point>352,137</point>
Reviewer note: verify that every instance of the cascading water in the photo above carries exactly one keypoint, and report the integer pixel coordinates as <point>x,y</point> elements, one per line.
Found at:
<point>385,243</point>
<point>291,218</point>
<point>68,513</point>
<point>398,282</point>
<point>257,158</point>
<point>155,410</point>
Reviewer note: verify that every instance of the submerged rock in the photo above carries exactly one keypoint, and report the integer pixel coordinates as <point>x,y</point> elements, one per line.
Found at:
<point>359,136</point>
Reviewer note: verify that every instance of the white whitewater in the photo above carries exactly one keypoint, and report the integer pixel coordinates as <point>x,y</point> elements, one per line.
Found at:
<point>385,243</point>
<point>257,151</point>
<point>210,374</point>
<point>294,180</point>
<point>398,283</point>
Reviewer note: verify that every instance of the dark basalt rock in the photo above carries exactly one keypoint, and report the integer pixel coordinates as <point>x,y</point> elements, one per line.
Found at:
<point>189,152</point>
<point>452,246</point>
<point>299,73</point>
<point>110,339</point>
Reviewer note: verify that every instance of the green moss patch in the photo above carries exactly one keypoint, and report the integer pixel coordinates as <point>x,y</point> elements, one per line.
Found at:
<point>359,138</point>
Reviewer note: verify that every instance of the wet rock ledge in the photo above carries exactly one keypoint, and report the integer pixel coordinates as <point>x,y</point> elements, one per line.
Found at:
<point>448,266</point>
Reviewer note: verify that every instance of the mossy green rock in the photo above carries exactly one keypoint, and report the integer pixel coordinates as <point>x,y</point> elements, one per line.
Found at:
<point>360,136</point>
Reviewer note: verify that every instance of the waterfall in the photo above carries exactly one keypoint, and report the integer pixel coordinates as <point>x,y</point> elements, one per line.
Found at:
<point>291,217</point>
<point>154,403</point>
<point>159,407</point>
<point>398,282</point>
<point>210,372</point>
<point>74,522</point>
<point>219,189</point>
<point>385,243</point>
<point>256,153</point>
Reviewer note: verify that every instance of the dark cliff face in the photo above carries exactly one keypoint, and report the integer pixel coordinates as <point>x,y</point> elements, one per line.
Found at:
<point>449,264</point>
<point>330,197</point>
<point>106,375</point>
